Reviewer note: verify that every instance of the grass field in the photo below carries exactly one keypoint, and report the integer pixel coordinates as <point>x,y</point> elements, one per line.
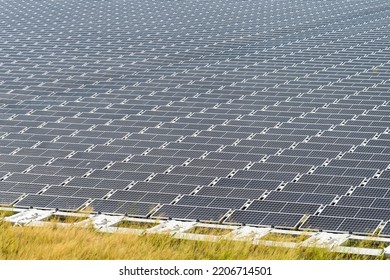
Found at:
<point>55,242</point>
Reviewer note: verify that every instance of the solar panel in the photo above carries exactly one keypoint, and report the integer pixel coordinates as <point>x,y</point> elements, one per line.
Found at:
<point>363,226</point>
<point>136,209</point>
<point>282,220</point>
<point>25,187</point>
<point>62,191</point>
<point>246,217</point>
<point>127,195</point>
<point>105,206</point>
<point>266,206</point>
<point>50,202</point>
<point>67,203</point>
<point>207,214</point>
<point>159,198</point>
<point>7,199</point>
<point>173,211</point>
<point>386,230</point>
<point>322,223</point>
<point>340,211</point>
<point>198,112</point>
<point>356,201</point>
<point>300,208</point>
<point>374,213</point>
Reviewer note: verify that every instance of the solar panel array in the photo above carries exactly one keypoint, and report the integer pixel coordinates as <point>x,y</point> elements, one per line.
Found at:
<point>263,113</point>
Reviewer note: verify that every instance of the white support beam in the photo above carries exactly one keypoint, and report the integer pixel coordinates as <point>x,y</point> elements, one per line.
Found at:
<point>172,227</point>
<point>249,233</point>
<point>325,239</point>
<point>102,222</point>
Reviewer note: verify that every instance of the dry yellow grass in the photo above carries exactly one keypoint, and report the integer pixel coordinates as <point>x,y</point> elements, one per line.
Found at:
<point>87,244</point>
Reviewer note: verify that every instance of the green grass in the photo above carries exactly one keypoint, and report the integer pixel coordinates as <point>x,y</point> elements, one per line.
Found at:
<point>366,244</point>
<point>65,219</point>
<point>55,243</point>
<point>209,230</point>
<point>6,213</point>
<point>281,237</point>
<point>135,225</point>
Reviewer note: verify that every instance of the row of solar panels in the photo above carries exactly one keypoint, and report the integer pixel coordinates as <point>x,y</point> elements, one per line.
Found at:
<point>168,192</point>
<point>366,221</point>
<point>371,195</point>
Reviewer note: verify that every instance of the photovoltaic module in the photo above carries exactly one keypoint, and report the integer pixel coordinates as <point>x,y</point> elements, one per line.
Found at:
<point>261,113</point>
